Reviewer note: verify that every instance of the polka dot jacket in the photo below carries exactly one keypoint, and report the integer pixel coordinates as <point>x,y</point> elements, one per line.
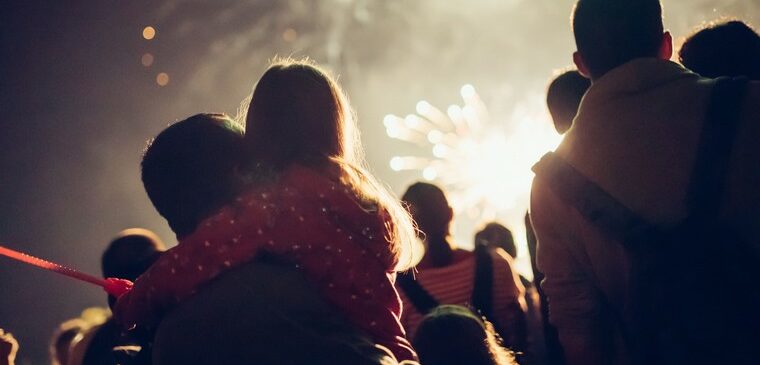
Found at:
<point>306,219</point>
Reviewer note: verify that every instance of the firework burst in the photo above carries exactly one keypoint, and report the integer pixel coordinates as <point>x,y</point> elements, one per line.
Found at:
<point>483,163</point>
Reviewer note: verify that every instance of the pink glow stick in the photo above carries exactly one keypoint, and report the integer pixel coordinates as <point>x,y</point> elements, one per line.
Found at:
<point>47,265</point>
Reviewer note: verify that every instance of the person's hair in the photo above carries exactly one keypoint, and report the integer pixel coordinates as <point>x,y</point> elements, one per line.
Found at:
<point>563,97</point>
<point>9,346</point>
<point>429,208</point>
<point>188,170</point>
<point>610,33</point>
<point>726,48</point>
<point>130,254</point>
<point>67,334</point>
<point>298,114</point>
<point>452,334</point>
<point>496,235</point>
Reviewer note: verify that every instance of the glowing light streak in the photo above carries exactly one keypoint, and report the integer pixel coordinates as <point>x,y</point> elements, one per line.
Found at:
<point>430,173</point>
<point>468,92</point>
<point>401,163</point>
<point>433,114</point>
<point>418,124</point>
<point>435,136</point>
<point>484,167</point>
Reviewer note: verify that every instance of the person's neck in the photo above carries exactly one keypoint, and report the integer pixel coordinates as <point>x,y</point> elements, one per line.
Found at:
<point>439,252</point>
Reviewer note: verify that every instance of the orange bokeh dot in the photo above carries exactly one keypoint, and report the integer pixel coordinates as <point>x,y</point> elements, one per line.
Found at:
<point>162,79</point>
<point>147,59</point>
<point>149,32</point>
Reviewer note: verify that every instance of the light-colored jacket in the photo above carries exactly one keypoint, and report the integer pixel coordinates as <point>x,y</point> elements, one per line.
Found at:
<point>636,136</point>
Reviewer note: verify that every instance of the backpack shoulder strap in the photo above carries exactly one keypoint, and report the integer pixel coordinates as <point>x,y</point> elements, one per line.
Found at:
<point>482,288</point>
<point>420,298</point>
<point>714,152</point>
<point>597,206</point>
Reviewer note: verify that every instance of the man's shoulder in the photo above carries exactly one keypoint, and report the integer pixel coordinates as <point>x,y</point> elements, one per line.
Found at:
<point>623,137</point>
<point>639,87</point>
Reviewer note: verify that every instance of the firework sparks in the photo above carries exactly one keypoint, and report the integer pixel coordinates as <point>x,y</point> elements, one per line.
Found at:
<point>484,166</point>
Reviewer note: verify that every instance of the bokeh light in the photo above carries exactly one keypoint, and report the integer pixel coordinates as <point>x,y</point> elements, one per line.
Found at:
<point>147,59</point>
<point>149,33</point>
<point>162,79</point>
<point>290,35</point>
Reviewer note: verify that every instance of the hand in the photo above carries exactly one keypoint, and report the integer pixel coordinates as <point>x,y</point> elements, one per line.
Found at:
<point>117,287</point>
<point>121,308</point>
<point>8,348</point>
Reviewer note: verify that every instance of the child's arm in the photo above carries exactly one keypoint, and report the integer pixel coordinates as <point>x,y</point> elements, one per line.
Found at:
<point>224,240</point>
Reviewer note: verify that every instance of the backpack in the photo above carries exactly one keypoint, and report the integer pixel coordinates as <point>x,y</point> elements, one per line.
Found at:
<point>675,309</point>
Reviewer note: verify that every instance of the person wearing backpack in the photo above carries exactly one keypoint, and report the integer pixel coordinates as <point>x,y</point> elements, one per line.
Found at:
<point>649,211</point>
<point>483,280</point>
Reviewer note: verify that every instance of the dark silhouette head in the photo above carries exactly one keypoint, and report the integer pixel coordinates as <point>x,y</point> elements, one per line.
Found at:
<point>454,335</point>
<point>610,33</point>
<point>130,254</point>
<point>188,170</point>
<point>564,97</point>
<point>495,235</point>
<point>64,337</point>
<point>430,209</point>
<point>723,49</point>
<point>298,113</point>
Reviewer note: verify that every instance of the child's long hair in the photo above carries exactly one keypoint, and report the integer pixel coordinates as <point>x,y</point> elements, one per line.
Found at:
<point>299,114</point>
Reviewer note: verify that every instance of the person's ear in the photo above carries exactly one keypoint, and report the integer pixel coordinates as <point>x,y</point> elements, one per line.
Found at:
<point>581,65</point>
<point>666,48</point>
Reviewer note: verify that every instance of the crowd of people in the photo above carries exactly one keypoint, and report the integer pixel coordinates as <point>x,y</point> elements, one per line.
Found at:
<point>642,233</point>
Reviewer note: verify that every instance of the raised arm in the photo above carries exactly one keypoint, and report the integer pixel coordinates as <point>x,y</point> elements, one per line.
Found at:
<point>227,239</point>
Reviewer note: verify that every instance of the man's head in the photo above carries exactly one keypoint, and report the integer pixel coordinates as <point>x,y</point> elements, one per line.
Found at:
<point>564,97</point>
<point>723,49</point>
<point>188,169</point>
<point>610,33</point>
<point>429,208</point>
<point>495,235</point>
<point>130,254</point>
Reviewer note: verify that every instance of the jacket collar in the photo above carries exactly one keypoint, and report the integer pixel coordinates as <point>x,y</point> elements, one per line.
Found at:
<point>635,77</point>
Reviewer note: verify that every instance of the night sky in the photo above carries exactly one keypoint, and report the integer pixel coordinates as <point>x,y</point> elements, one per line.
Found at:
<point>77,105</point>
